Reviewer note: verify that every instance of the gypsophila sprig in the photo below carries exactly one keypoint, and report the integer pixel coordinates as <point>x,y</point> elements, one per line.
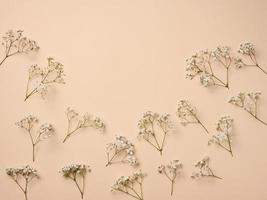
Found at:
<point>40,79</point>
<point>247,50</point>
<point>202,64</point>
<point>121,151</point>
<point>130,185</point>
<point>187,114</point>
<point>22,177</point>
<point>82,122</point>
<point>45,131</point>
<point>224,136</point>
<point>249,102</point>
<point>204,169</point>
<point>77,173</point>
<point>171,171</point>
<point>15,43</point>
<point>153,128</point>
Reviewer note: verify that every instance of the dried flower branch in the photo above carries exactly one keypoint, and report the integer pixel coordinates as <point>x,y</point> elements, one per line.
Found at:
<point>249,102</point>
<point>204,169</point>
<point>41,79</point>
<point>130,185</point>
<point>224,136</point>
<point>76,172</point>
<point>121,151</point>
<point>45,131</point>
<point>171,171</point>
<point>15,43</point>
<point>247,50</point>
<point>187,114</point>
<point>149,127</point>
<point>202,63</point>
<point>82,122</point>
<point>27,173</point>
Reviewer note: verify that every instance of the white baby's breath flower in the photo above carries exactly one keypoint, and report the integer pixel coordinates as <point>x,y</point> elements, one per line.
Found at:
<point>75,171</point>
<point>171,171</point>
<point>22,176</point>
<point>204,169</point>
<point>84,121</point>
<point>45,131</point>
<point>122,150</point>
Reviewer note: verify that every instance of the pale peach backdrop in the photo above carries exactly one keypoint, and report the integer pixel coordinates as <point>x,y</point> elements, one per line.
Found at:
<point>122,58</point>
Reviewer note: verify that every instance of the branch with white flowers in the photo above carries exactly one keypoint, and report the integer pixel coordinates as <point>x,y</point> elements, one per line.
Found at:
<point>249,102</point>
<point>247,50</point>
<point>187,114</point>
<point>224,136</point>
<point>202,63</point>
<point>75,172</point>
<point>171,171</point>
<point>121,151</point>
<point>84,121</point>
<point>15,43</point>
<point>26,173</point>
<point>204,169</point>
<point>45,131</point>
<point>130,185</point>
<point>153,128</point>
<point>40,79</point>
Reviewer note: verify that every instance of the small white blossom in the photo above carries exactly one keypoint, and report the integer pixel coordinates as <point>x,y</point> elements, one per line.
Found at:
<point>247,50</point>
<point>40,79</point>
<point>149,123</point>
<point>45,131</point>
<point>171,171</point>
<point>84,121</point>
<point>15,43</point>
<point>187,114</point>
<point>201,64</point>
<point>122,150</point>
<point>204,169</point>
<point>224,136</point>
<point>130,185</point>
<point>249,102</point>
<point>23,174</point>
<point>75,171</point>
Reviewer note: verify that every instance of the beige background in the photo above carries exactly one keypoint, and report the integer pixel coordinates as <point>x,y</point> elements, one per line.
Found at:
<point>122,58</point>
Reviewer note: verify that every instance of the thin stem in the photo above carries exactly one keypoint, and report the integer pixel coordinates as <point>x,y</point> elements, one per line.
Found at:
<point>33,152</point>
<point>80,190</point>
<point>114,155</point>
<point>3,60</point>
<point>257,118</point>
<point>172,184</point>
<point>230,146</point>
<point>126,192</point>
<point>70,133</point>
<point>202,125</point>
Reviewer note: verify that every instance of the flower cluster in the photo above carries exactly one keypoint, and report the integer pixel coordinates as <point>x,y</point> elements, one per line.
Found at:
<point>84,121</point>
<point>27,173</point>
<point>201,64</point>
<point>187,114</point>
<point>40,79</point>
<point>149,126</point>
<point>171,171</point>
<point>121,151</point>
<point>247,50</point>
<point>15,43</point>
<point>45,131</point>
<point>249,102</point>
<point>130,185</point>
<point>75,172</point>
<point>204,169</point>
<point>224,136</point>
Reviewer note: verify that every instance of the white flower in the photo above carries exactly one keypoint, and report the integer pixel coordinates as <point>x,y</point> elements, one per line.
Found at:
<point>246,49</point>
<point>122,150</point>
